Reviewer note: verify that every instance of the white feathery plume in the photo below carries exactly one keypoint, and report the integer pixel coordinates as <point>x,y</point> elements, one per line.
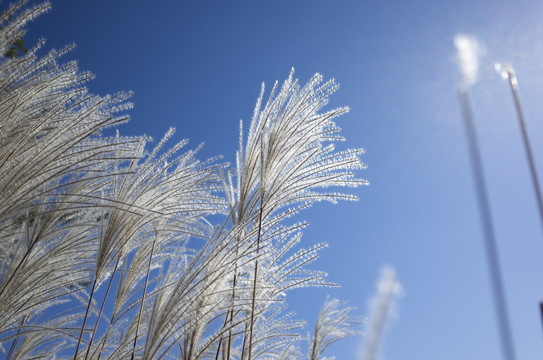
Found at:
<point>80,210</point>
<point>507,72</point>
<point>469,51</point>
<point>333,324</point>
<point>388,289</point>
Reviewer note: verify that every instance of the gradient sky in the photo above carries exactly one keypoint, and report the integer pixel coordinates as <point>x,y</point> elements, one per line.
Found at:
<point>198,66</point>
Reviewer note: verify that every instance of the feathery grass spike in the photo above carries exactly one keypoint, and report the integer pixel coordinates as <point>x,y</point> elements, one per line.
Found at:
<point>98,258</point>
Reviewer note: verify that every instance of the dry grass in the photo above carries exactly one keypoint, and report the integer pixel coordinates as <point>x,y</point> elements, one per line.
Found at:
<point>94,231</point>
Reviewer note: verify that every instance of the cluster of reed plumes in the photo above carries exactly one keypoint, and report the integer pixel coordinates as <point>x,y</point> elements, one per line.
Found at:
<point>106,248</point>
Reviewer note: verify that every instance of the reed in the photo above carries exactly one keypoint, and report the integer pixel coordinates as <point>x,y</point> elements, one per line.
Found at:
<point>99,230</point>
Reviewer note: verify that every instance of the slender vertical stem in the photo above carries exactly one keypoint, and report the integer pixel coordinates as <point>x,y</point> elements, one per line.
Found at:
<point>102,347</point>
<point>261,211</point>
<point>14,345</point>
<point>488,232</point>
<point>113,316</point>
<point>85,318</point>
<point>541,310</point>
<point>232,313</point>
<point>16,340</point>
<point>229,313</point>
<point>143,299</point>
<point>220,339</point>
<point>244,344</point>
<point>513,83</point>
<point>253,305</point>
<point>101,308</point>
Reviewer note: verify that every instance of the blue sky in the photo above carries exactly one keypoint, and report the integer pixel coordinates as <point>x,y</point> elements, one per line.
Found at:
<point>198,66</point>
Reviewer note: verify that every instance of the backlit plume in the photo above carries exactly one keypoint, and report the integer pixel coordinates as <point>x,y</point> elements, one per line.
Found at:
<point>469,51</point>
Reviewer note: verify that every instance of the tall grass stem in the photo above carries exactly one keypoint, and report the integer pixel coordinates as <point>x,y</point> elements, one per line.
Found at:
<point>487,227</point>
<point>513,84</point>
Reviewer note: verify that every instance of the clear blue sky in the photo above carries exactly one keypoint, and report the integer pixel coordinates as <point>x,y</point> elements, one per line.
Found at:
<point>198,65</point>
